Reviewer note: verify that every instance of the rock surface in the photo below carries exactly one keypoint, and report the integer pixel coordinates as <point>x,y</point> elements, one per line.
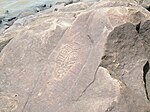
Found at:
<point>94,58</point>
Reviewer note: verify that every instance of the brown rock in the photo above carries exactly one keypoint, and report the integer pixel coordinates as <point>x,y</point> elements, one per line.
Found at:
<point>56,63</point>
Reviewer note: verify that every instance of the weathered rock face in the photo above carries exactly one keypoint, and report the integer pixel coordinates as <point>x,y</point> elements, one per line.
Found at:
<point>91,60</point>
<point>126,59</point>
<point>145,29</point>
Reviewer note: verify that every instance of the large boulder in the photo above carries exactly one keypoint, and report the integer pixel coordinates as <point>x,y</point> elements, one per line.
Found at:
<point>90,61</point>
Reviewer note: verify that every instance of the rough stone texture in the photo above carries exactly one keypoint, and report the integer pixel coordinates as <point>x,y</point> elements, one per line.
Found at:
<point>88,61</point>
<point>146,4</point>
<point>77,7</point>
<point>125,58</point>
<point>145,32</point>
<point>127,1</point>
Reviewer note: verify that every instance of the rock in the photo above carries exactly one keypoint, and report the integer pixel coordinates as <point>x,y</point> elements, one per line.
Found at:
<point>6,22</point>
<point>145,32</point>
<point>78,8</point>
<point>10,19</point>
<point>129,1</point>
<point>65,2</point>
<point>75,7</point>
<point>50,5</point>
<point>69,2</point>
<point>125,58</point>
<point>146,5</point>
<point>3,44</point>
<point>27,13</point>
<point>76,1</point>
<point>95,62</point>
<point>58,7</point>
<point>1,19</point>
<point>41,7</point>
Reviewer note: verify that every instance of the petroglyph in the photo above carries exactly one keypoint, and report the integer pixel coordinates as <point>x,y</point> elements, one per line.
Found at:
<point>66,59</point>
<point>7,103</point>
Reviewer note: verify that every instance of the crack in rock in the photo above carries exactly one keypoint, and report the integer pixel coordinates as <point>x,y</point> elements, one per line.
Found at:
<point>145,71</point>
<point>83,92</point>
<point>111,107</point>
<point>91,40</point>
<point>138,27</point>
<point>3,44</point>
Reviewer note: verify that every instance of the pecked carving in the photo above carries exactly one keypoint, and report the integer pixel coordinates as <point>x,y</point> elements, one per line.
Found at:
<point>8,103</point>
<point>66,59</point>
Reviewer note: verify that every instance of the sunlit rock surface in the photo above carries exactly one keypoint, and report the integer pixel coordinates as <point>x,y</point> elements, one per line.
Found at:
<point>94,58</point>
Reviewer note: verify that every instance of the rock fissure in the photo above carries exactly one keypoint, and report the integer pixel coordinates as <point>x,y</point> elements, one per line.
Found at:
<point>147,7</point>
<point>138,27</point>
<point>3,44</point>
<point>91,40</point>
<point>83,92</point>
<point>111,107</point>
<point>145,71</point>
